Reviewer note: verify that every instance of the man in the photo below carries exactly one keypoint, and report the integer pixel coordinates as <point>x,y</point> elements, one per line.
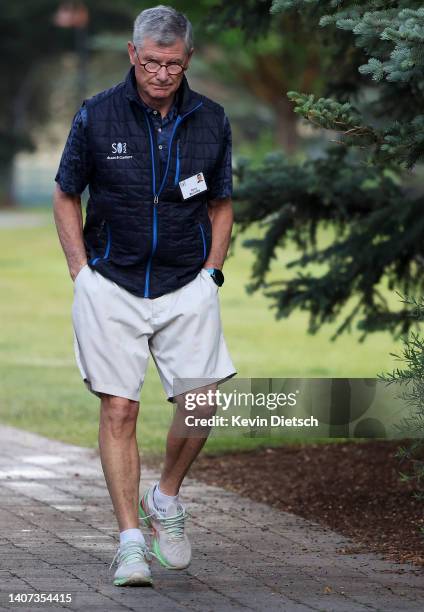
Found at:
<point>146,268</point>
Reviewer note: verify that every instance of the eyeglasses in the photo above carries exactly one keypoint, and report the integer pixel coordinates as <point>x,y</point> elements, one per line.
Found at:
<point>173,68</point>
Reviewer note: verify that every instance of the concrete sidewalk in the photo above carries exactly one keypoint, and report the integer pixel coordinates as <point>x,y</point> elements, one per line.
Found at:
<point>58,535</point>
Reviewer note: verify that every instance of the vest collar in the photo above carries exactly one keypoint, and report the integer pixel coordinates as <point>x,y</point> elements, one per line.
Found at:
<point>186,98</point>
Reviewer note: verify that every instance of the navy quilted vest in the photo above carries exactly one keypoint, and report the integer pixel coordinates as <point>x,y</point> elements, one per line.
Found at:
<point>139,232</point>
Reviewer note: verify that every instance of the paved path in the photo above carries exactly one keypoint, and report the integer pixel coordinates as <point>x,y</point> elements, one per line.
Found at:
<point>57,534</point>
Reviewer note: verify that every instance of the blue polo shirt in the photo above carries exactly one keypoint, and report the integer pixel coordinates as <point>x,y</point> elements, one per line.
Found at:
<point>76,163</point>
<point>163,128</point>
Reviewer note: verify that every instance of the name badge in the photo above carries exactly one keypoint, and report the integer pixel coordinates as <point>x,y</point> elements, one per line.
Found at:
<point>193,185</point>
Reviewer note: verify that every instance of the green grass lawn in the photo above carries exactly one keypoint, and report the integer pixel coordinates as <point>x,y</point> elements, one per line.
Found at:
<point>40,386</point>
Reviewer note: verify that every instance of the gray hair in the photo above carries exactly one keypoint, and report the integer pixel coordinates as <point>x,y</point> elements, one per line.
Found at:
<point>164,25</point>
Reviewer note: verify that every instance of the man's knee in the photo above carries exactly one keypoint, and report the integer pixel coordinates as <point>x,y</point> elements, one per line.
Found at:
<point>118,414</point>
<point>200,403</point>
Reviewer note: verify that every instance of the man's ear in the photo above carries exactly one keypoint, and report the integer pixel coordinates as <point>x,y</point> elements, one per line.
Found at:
<point>131,52</point>
<point>190,53</point>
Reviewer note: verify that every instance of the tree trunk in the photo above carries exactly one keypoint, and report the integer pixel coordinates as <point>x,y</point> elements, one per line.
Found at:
<point>7,184</point>
<point>19,139</point>
<point>267,84</point>
<point>286,133</point>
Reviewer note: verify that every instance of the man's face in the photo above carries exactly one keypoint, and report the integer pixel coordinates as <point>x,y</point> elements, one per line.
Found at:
<point>159,85</point>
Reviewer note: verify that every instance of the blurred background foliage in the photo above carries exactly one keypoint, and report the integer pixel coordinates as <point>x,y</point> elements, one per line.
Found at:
<point>56,53</point>
<point>366,184</point>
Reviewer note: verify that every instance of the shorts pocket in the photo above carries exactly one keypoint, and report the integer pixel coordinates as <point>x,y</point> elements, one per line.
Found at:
<point>209,279</point>
<point>78,276</point>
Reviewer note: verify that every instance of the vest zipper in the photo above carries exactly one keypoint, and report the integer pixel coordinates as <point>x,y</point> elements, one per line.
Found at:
<point>155,201</point>
<point>156,194</point>
<point>177,169</point>
<point>202,231</point>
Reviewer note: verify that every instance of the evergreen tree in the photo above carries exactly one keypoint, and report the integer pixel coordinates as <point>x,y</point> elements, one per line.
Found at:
<point>410,377</point>
<point>364,185</point>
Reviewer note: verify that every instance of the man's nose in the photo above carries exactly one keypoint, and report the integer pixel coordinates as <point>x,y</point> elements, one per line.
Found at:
<point>162,73</point>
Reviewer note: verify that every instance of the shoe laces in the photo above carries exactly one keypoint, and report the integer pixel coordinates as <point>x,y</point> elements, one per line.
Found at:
<point>132,552</point>
<point>173,525</point>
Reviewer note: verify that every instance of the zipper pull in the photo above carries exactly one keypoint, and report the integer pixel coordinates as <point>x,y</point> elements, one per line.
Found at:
<point>155,201</point>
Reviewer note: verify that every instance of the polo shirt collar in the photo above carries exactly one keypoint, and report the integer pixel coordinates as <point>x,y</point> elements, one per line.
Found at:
<point>172,113</point>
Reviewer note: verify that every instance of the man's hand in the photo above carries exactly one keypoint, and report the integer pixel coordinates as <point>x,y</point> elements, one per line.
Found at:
<point>69,225</point>
<point>75,274</point>
<point>221,215</point>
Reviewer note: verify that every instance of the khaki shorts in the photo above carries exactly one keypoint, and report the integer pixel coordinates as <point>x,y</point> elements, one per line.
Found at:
<point>114,332</point>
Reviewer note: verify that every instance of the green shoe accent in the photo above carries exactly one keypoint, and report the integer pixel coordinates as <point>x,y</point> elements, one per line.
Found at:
<point>158,554</point>
<point>142,514</point>
<point>161,558</point>
<point>128,581</point>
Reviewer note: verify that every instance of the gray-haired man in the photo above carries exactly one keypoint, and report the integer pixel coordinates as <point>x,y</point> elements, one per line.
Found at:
<point>146,268</point>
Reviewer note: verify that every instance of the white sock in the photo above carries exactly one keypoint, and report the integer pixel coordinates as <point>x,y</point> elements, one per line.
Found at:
<point>131,535</point>
<point>161,500</point>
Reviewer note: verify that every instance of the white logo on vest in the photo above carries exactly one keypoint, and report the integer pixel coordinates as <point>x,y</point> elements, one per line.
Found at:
<point>119,148</point>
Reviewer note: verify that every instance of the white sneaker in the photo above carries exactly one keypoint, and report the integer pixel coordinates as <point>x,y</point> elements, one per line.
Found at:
<point>170,545</point>
<point>133,561</point>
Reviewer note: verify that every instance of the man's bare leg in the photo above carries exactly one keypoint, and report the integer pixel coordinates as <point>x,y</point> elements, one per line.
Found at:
<point>164,515</point>
<point>184,443</point>
<point>120,457</point>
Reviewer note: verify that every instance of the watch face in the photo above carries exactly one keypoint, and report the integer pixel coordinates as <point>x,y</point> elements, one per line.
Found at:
<point>218,277</point>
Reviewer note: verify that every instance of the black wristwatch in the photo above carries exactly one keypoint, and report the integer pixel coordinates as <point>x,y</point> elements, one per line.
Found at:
<point>217,275</point>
